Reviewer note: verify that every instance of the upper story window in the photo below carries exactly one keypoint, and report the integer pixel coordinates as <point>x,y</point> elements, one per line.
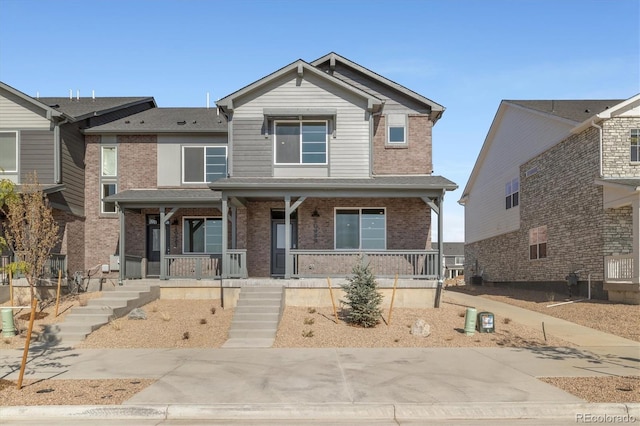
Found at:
<point>512,193</point>
<point>538,243</point>
<point>396,129</point>
<point>108,177</point>
<point>360,229</point>
<point>635,145</point>
<point>459,260</point>
<point>202,164</point>
<point>8,152</point>
<point>202,235</point>
<point>300,142</point>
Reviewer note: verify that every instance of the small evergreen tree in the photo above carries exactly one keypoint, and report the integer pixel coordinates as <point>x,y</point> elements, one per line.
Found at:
<point>362,296</point>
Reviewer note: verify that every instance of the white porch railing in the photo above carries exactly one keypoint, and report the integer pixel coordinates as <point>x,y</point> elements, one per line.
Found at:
<point>384,264</point>
<point>618,268</point>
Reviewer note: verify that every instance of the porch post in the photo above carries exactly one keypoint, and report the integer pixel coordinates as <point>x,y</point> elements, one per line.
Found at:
<point>287,237</point>
<point>635,212</point>
<point>225,238</point>
<point>122,273</point>
<point>440,249</point>
<point>163,245</point>
<point>234,227</point>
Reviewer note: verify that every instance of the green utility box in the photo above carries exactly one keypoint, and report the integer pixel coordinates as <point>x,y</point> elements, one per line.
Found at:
<point>485,322</point>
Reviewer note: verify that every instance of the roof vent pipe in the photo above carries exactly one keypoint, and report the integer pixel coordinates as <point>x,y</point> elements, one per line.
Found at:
<point>93,95</point>
<point>77,95</point>
<point>70,94</point>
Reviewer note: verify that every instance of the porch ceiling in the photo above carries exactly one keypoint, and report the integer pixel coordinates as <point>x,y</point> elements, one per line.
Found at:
<point>631,183</point>
<point>149,198</point>
<point>379,186</point>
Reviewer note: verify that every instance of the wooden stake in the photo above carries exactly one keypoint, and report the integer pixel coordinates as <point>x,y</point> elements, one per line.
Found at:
<point>10,287</point>
<point>23,366</point>
<point>58,292</point>
<point>393,296</point>
<point>335,312</point>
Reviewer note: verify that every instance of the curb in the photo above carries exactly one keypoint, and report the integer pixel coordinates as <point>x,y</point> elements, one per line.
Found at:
<point>469,411</point>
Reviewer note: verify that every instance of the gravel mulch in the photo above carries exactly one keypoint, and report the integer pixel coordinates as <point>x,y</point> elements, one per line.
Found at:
<point>204,324</point>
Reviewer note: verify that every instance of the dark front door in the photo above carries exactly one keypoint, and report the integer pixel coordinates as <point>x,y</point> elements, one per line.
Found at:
<point>153,244</point>
<point>278,245</point>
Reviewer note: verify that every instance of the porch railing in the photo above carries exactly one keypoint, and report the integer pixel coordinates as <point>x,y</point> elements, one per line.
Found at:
<point>384,264</point>
<point>133,266</point>
<point>206,266</point>
<point>618,268</point>
<point>235,265</point>
<point>57,262</point>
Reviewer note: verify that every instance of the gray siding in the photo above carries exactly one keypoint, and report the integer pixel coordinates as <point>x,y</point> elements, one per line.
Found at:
<point>16,113</point>
<point>72,173</point>
<point>169,169</point>
<point>37,154</point>
<point>349,150</point>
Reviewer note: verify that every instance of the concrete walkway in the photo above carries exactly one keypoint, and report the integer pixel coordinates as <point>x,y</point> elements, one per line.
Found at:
<point>381,385</point>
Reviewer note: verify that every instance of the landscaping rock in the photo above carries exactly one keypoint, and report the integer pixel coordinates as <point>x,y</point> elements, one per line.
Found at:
<point>421,328</point>
<point>137,314</point>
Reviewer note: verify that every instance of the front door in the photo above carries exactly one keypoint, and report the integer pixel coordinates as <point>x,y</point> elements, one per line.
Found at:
<point>153,244</point>
<point>277,242</point>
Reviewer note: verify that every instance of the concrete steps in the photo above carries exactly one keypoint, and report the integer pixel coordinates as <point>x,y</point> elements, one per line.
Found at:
<point>83,320</point>
<point>256,317</point>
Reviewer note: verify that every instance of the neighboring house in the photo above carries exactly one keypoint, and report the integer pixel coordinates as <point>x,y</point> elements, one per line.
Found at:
<point>292,176</point>
<point>44,135</point>
<point>453,259</point>
<point>555,190</point>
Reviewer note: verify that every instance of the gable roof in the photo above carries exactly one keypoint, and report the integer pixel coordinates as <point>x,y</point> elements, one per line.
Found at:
<point>166,120</point>
<point>333,57</point>
<point>301,67</point>
<point>573,112</point>
<point>48,112</point>
<point>80,108</point>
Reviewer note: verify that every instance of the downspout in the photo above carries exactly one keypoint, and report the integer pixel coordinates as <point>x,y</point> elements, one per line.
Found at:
<point>593,123</point>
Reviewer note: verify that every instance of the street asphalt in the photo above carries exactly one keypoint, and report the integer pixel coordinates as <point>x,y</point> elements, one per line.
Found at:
<point>342,385</point>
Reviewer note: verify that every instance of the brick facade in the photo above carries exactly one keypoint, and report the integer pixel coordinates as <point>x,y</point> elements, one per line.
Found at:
<point>408,225</point>
<point>411,159</point>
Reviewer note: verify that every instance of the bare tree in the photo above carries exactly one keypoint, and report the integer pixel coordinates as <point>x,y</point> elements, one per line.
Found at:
<point>31,230</point>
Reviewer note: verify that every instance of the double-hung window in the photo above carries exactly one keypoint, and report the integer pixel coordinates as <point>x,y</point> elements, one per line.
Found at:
<point>203,164</point>
<point>635,145</point>
<point>538,243</point>
<point>300,142</point>
<point>396,129</point>
<point>108,177</point>
<point>360,229</point>
<point>8,152</point>
<point>202,235</point>
<point>512,193</point>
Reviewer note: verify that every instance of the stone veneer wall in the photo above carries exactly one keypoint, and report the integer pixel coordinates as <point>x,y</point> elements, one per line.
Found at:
<point>561,195</point>
<point>408,226</point>
<point>618,231</point>
<point>413,158</point>
<point>616,158</point>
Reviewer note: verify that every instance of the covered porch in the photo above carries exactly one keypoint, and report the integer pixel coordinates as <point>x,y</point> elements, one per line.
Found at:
<point>622,239</point>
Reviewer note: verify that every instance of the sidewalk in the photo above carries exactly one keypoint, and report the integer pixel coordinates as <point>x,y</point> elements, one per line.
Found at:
<point>345,384</point>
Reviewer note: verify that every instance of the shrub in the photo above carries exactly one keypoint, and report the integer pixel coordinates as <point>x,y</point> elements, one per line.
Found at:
<point>362,296</point>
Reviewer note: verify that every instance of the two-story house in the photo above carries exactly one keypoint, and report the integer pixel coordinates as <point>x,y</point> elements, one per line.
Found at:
<point>44,135</point>
<point>554,192</point>
<point>293,176</point>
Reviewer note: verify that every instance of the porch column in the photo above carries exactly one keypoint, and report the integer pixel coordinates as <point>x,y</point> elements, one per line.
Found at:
<point>635,213</point>
<point>225,238</point>
<point>163,245</point>
<point>288,267</point>
<point>440,240</point>
<point>234,227</point>
<point>122,273</point>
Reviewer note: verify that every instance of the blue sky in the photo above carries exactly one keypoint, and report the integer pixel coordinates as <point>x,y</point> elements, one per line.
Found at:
<point>467,55</point>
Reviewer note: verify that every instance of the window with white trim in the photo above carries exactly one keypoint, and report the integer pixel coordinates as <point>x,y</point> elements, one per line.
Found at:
<point>202,235</point>
<point>203,164</point>
<point>360,229</point>
<point>108,177</point>
<point>396,129</point>
<point>458,260</point>
<point>538,243</point>
<point>8,152</point>
<point>635,145</point>
<point>300,142</point>
<point>512,193</point>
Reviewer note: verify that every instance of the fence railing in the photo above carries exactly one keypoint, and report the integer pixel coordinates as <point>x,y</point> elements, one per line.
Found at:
<point>193,266</point>
<point>384,264</point>
<point>618,268</point>
<point>133,266</point>
<point>57,262</point>
<point>235,265</point>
